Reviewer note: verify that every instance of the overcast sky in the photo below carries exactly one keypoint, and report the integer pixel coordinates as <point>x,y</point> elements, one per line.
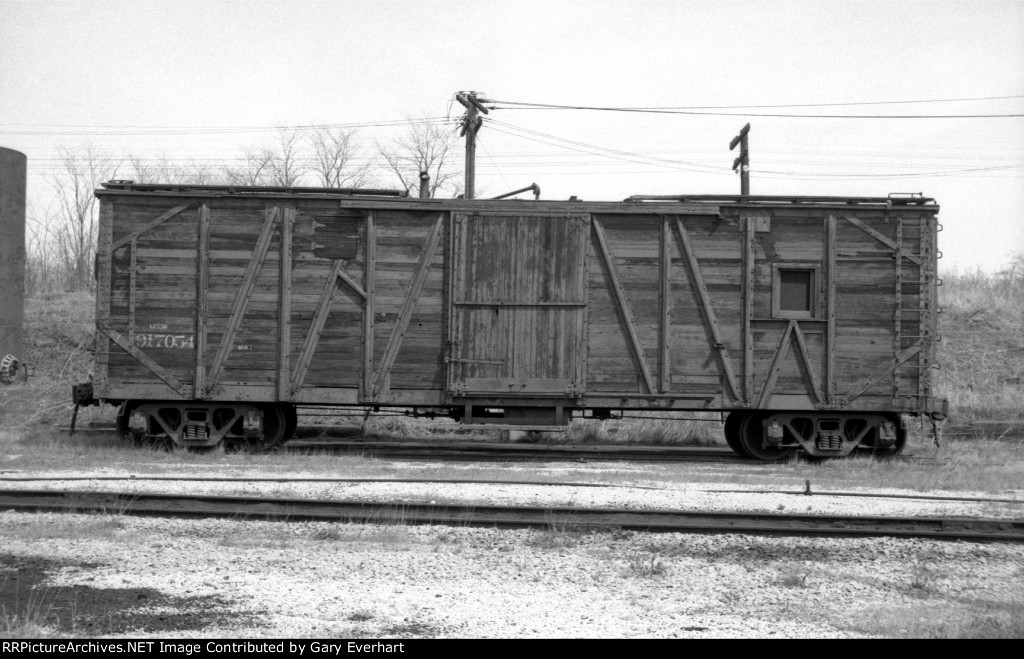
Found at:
<point>120,75</point>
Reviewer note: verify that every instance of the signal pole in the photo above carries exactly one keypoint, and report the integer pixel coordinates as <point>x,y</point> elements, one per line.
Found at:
<point>743,161</point>
<point>470,125</point>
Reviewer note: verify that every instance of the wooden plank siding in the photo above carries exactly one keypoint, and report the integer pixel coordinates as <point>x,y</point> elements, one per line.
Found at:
<point>427,302</point>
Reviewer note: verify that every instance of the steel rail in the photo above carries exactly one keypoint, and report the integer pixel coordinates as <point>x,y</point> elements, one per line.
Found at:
<point>574,453</point>
<point>873,495</point>
<point>280,509</point>
<point>476,451</point>
<point>471,481</point>
<point>271,479</point>
<point>426,448</point>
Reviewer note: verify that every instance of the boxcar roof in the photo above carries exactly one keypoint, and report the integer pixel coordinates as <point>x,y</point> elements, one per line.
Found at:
<point>378,197</point>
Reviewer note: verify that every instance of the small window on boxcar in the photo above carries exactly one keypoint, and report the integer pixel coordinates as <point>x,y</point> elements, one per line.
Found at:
<point>794,295</point>
<point>795,290</point>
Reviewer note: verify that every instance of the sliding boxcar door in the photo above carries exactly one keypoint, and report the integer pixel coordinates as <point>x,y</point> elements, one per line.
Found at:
<point>518,322</point>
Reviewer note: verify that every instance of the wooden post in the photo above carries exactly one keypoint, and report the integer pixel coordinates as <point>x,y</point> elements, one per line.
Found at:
<point>830,308</point>
<point>284,333</point>
<point>370,286</point>
<point>926,298</point>
<point>202,290</point>
<point>742,162</point>
<point>132,275</point>
<point>470,125</point>
<point>456,291</point>
<point>665,376</point>
<point>748,308</point>
<point>104,274</point>
<point>897,337</point>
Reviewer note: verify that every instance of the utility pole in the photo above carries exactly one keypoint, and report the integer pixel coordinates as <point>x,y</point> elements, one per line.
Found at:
<point>470,125</point>
<point>743,161</point>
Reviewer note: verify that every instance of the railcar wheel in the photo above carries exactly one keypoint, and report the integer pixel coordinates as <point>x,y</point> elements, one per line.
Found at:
<point>901,438</point>
<point>292,418</point>
<point>750,435</point>
<point>138,436</point>
<point>124,415</point>
<point>733,424</point>
<point>274,430</point>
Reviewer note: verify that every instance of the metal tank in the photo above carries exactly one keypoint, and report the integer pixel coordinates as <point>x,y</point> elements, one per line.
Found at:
<point>12,259</point>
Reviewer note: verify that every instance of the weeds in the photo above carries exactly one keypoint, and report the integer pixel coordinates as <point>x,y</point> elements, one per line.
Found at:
<point>730,597</point>
<point>361,616</point>
<point>646,564</point>
<point>413,628</point>
<point>976,619</point>
<point>329,534</point>
<point>551,538</point>
<point>45,527</point>
<point>37,618</point>
<point>30,623</point>
<point>649,429</point>
<point>923,580</point>
<point>982,354</point>
<point>792,579</point>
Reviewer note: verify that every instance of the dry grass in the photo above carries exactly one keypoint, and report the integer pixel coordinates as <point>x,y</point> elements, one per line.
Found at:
<point>982,352</point>
<point>31,620</point>
<point>930,619</point>
<point>648,428</point>
<point>646,564</point>
<point>48,527</point>
<point>59,344</point>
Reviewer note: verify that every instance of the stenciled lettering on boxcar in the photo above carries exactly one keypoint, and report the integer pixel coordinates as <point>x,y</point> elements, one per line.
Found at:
<point>148,340</point>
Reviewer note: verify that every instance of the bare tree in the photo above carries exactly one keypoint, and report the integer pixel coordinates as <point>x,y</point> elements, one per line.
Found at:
<point>144,170</point>
<point>282,163</point>
<point>287,164</point>
<point>44,270</point>
<point>196,173</point>
<point>335,159</point>
<point>254,170</point>
<point>426,147</point>
<point>160,169</point>
<point>74,219</point>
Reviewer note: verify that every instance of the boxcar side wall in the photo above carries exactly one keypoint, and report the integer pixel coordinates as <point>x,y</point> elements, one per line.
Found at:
<point>312,299</point>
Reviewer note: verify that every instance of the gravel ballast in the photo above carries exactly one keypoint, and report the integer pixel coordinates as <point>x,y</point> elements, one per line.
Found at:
<point>114,575</point>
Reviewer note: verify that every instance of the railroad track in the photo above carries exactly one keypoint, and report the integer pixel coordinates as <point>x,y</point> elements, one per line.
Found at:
<point>315,479</point>
<point>280,509</point>
<point>447,481</point>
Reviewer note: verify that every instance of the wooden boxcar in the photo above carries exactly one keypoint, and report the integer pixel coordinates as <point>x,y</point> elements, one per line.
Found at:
<point>810,321</point>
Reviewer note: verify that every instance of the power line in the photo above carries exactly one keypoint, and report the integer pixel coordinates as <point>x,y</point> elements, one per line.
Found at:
<point>514,105</point>
<point>202,130</point>
<point>602,151</point>
<point>898,174</point>
<point>824,105</point>
<point>631,157</point>
<point>488,154</point>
